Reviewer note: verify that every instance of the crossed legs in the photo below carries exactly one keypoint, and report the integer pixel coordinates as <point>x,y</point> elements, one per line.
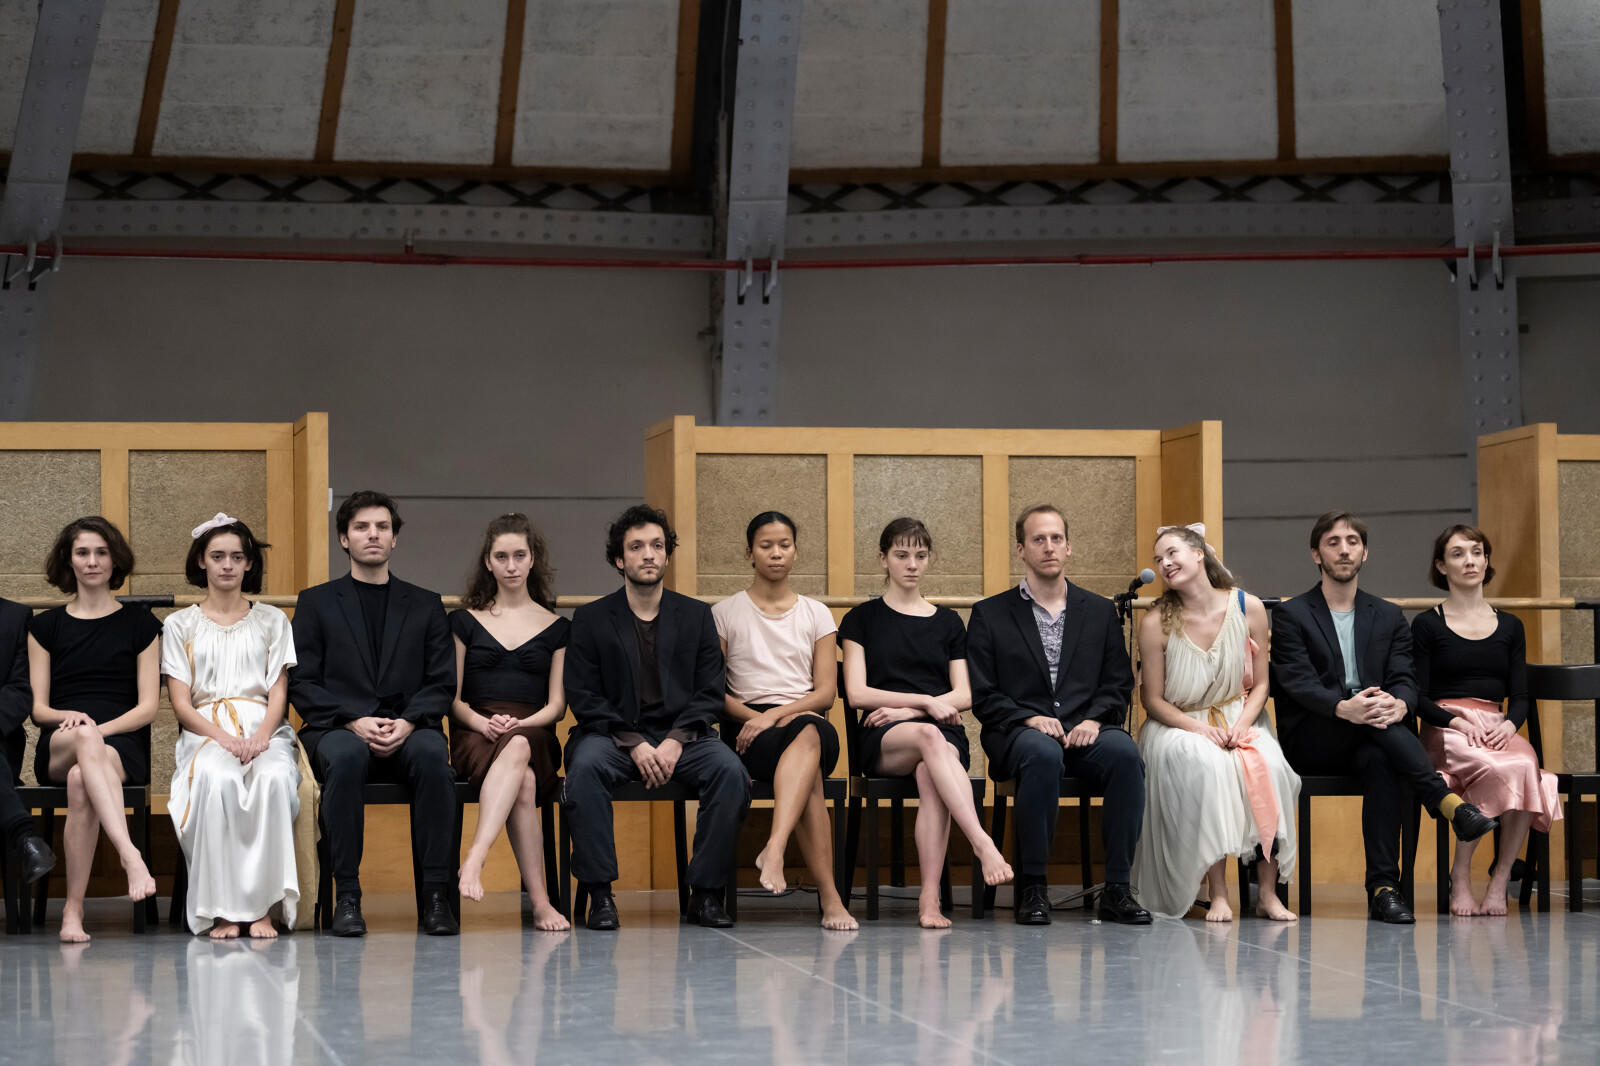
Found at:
<point>94,776</point>
<point>508,799</point>
<point>799,810</point>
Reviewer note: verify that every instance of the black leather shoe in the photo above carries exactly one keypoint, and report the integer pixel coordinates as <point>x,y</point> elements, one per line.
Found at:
<point>35,857</point>
<point>1118,905</point>
<point>438,919</point>
<point>1033,905</point>
<point>705,908</point>
<point>347,920</point>
<point>1389,906</point>
<point>1471,823</point>
<point>603,914</point>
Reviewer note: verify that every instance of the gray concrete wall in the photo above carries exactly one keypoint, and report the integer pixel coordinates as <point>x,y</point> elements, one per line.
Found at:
<point>470,391</point>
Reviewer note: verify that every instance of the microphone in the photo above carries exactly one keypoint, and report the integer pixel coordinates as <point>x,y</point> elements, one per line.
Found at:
<point>1144,577</point>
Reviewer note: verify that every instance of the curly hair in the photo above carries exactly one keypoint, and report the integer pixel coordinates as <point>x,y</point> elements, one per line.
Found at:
<point>482,586</point>
<point>251,582</point>
<point>1169,603</point>
<point>640,514</point>
<point>58,564</point>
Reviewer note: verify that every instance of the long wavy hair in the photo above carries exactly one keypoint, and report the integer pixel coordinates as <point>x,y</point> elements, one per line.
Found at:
<point>1169,603</point>
<point>482,587</point>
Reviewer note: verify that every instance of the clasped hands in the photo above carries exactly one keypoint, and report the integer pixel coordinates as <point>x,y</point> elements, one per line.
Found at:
<point>382,735</point>
<point>1372,706</point>
<point>1079,736</point>
<point>932,708</point>
<point>1494,737</point>
<point>656,762</point>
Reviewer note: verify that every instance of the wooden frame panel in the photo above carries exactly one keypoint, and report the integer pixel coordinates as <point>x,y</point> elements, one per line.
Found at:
<point>933,84</point>
<point>1110,72</point>
<point>505,123</point>
<point>155,77</point>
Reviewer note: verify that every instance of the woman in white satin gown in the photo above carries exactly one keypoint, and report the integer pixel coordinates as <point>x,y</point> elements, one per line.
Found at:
<point>235,787</point>
<point>1216,782</point>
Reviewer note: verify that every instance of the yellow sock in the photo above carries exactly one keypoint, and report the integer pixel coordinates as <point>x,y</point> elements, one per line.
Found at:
<point>1448,806</point>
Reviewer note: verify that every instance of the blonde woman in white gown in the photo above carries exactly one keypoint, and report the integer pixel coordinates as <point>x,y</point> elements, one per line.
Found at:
<point>235,788</point>
<point>1216,782</point>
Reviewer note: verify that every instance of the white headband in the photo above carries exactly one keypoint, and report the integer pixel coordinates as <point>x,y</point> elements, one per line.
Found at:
<point>219,519</point>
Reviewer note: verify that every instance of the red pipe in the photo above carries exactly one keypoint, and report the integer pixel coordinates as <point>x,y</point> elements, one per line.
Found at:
<point>1483,253</point>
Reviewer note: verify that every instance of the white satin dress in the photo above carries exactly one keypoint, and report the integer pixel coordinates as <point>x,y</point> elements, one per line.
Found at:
<point>1197,804</point>
<point>235,822</point>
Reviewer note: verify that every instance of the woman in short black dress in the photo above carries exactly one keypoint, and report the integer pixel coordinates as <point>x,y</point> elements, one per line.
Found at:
<point>905,671</point>
<point>95,666</point>
<point>510,648</point>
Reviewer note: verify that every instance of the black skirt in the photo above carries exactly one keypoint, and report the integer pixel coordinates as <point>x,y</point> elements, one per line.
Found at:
<point>132,748</point>
<point>872,742</point>
<point>761,757</point>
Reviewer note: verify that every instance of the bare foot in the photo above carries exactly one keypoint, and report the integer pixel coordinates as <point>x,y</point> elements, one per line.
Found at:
<point>471,878</point>
<point>996,871</point>
<point>1272,908</point>
<point>140,884</point>
<point>263,929</point>
<point>72,925</point>
<point>224,930</point>
<point>929,916</point>
<point>835,917</point>
<point>1493,903</point>
<point>770,867</point>
<point>1219,911</point>
<point>1462,905</point>
<point>549,919</point>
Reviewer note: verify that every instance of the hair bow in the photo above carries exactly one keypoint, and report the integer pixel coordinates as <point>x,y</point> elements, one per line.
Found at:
<point>219,519</point>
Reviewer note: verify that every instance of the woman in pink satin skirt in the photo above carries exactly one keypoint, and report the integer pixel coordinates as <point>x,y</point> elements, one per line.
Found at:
<point>1473,679</point>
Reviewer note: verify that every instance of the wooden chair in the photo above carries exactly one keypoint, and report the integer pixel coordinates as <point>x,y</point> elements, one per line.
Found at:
<point>49,799</point>
<point>1574,682</point>
<point>1314,786</point>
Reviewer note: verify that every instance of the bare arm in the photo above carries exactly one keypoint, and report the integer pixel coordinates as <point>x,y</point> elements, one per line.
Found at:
<point>277,707</point>
<point>462,715</point>
<point>824,682</point>
<point>1153,678</point>
<point>735,709</point>
<point>142,713</point>
<point>189,718</point>
<point>39,679</point>
<point>864,698</point>
<point>556,702</point>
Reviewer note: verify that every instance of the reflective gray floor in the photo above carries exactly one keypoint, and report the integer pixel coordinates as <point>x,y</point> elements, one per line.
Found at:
<point>1333,989</point>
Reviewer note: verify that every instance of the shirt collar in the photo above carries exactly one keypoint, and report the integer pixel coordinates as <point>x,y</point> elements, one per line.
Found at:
<point>1027,595</point>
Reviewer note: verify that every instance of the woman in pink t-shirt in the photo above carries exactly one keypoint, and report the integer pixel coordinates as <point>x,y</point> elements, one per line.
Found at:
<point>780,651</point>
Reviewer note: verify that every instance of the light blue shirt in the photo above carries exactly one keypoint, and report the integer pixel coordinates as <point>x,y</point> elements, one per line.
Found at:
<point>1344,626</point>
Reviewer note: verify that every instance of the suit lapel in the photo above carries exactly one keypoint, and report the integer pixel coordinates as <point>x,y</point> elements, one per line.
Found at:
<point>345,592</point>
<point>628,637</point>
<point>1324,617</point>
<point>1022,614</point>
<point>393,621</point>
<point>1363,636</point>
<point>1070,632</point>
<point>666,633</point>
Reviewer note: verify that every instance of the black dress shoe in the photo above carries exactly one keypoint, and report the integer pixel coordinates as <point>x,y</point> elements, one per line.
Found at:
<point>35,857</point>
<point>1389,906</point>
<point>1471,823</point>
<point>1033,905</point>
<point>603,913</point>
<point>705,908</point>
<point>438,919</point>
<point>1118,905</point>
<point>347,920</point>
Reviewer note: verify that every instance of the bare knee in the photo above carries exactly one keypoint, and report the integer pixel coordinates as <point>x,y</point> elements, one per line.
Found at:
<point>76,793</point>
<point>809,737</point>
<point>929,740</point>
<point>516,748</point>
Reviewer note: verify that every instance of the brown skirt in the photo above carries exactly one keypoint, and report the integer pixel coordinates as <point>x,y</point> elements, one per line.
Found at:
<point>471,755</point>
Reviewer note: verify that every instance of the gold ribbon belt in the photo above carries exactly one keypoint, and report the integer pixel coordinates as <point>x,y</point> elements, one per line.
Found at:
<point>221,703</point>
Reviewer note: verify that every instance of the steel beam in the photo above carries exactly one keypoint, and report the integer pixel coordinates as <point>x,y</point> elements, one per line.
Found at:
<point>761,130</point>
<point>36,181</point>
<point>1480,175</point>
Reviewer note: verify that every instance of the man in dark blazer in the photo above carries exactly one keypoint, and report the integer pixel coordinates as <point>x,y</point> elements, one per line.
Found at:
<point>1050,683</point>
<point>644,678</point>
<point>1343,686</point>
<point>16,703</point>
<point>375,678</point>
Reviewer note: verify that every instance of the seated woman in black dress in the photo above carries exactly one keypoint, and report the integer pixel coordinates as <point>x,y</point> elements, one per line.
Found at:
<point>1469,658</point>
<point>905,671</point>
<point>96,671</point>
<point>510,647</point>
<point>782,678</point>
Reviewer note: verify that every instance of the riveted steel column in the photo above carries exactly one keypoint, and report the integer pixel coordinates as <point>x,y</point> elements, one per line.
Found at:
<point>36,183</point>
<point>1480,175</point>
<point>762,128</point>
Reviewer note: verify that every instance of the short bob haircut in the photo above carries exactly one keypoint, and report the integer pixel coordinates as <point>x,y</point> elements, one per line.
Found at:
<point>640,514</point>
<point>58,564</point>
<point>251,582</point>
<point>1472,533</point>
<point>1040,508</point>
<point>360,499</point>
<point>1332,518</point>
<point>908,531</point>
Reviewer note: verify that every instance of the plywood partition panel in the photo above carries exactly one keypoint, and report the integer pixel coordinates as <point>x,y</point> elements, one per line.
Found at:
<point>312,500</point>
<point>1191,478</point>
<point>1578,495</point>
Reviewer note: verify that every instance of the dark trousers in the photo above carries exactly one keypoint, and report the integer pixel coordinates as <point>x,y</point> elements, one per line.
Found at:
<point>13,815</point>
<point>596,766</point>
<point>1111,764</point>
<point>344,764</point>
<point>1393,767</point>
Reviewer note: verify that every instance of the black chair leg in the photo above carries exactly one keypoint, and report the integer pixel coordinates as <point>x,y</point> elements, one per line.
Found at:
<point>1244,886</point>
<point>140,832</point>
<point>178,908</point>
<point>680,844</point>
<point>997,832</point>
<point>1441,861</point>
<point>947,892</point>
<point>1410,834</point>
<point>897,843</point>
<point>41,896</point>
<point>1574,816</point>
<point>840,874</point>
<point>977,867</point>
<point>455,850</point>
<point>871,831</point>
<point>552,878</point>
<point>1085,849</point>
<point>1303,831</point>
<point>852,845</point>
<point>324,905</point>
<point>564,870</point>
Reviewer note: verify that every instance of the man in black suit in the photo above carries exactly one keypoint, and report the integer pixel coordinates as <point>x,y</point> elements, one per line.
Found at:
<point>1050,683</point>
<point>16,703</point>
<point>644,677</point>
<point>376,675</point>
<point>1343,686</point>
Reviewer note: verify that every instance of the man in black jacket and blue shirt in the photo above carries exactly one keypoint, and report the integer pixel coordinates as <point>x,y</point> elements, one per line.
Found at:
<point>22,837</point>
<point>1343,685</point>
<point>1050,683</point>
<point>644,678</point>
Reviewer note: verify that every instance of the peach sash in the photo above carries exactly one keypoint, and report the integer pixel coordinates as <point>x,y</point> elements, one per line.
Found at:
<point>1257,784</point>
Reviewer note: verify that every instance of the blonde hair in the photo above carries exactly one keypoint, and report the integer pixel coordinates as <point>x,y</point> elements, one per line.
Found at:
<point>1169,603</point>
